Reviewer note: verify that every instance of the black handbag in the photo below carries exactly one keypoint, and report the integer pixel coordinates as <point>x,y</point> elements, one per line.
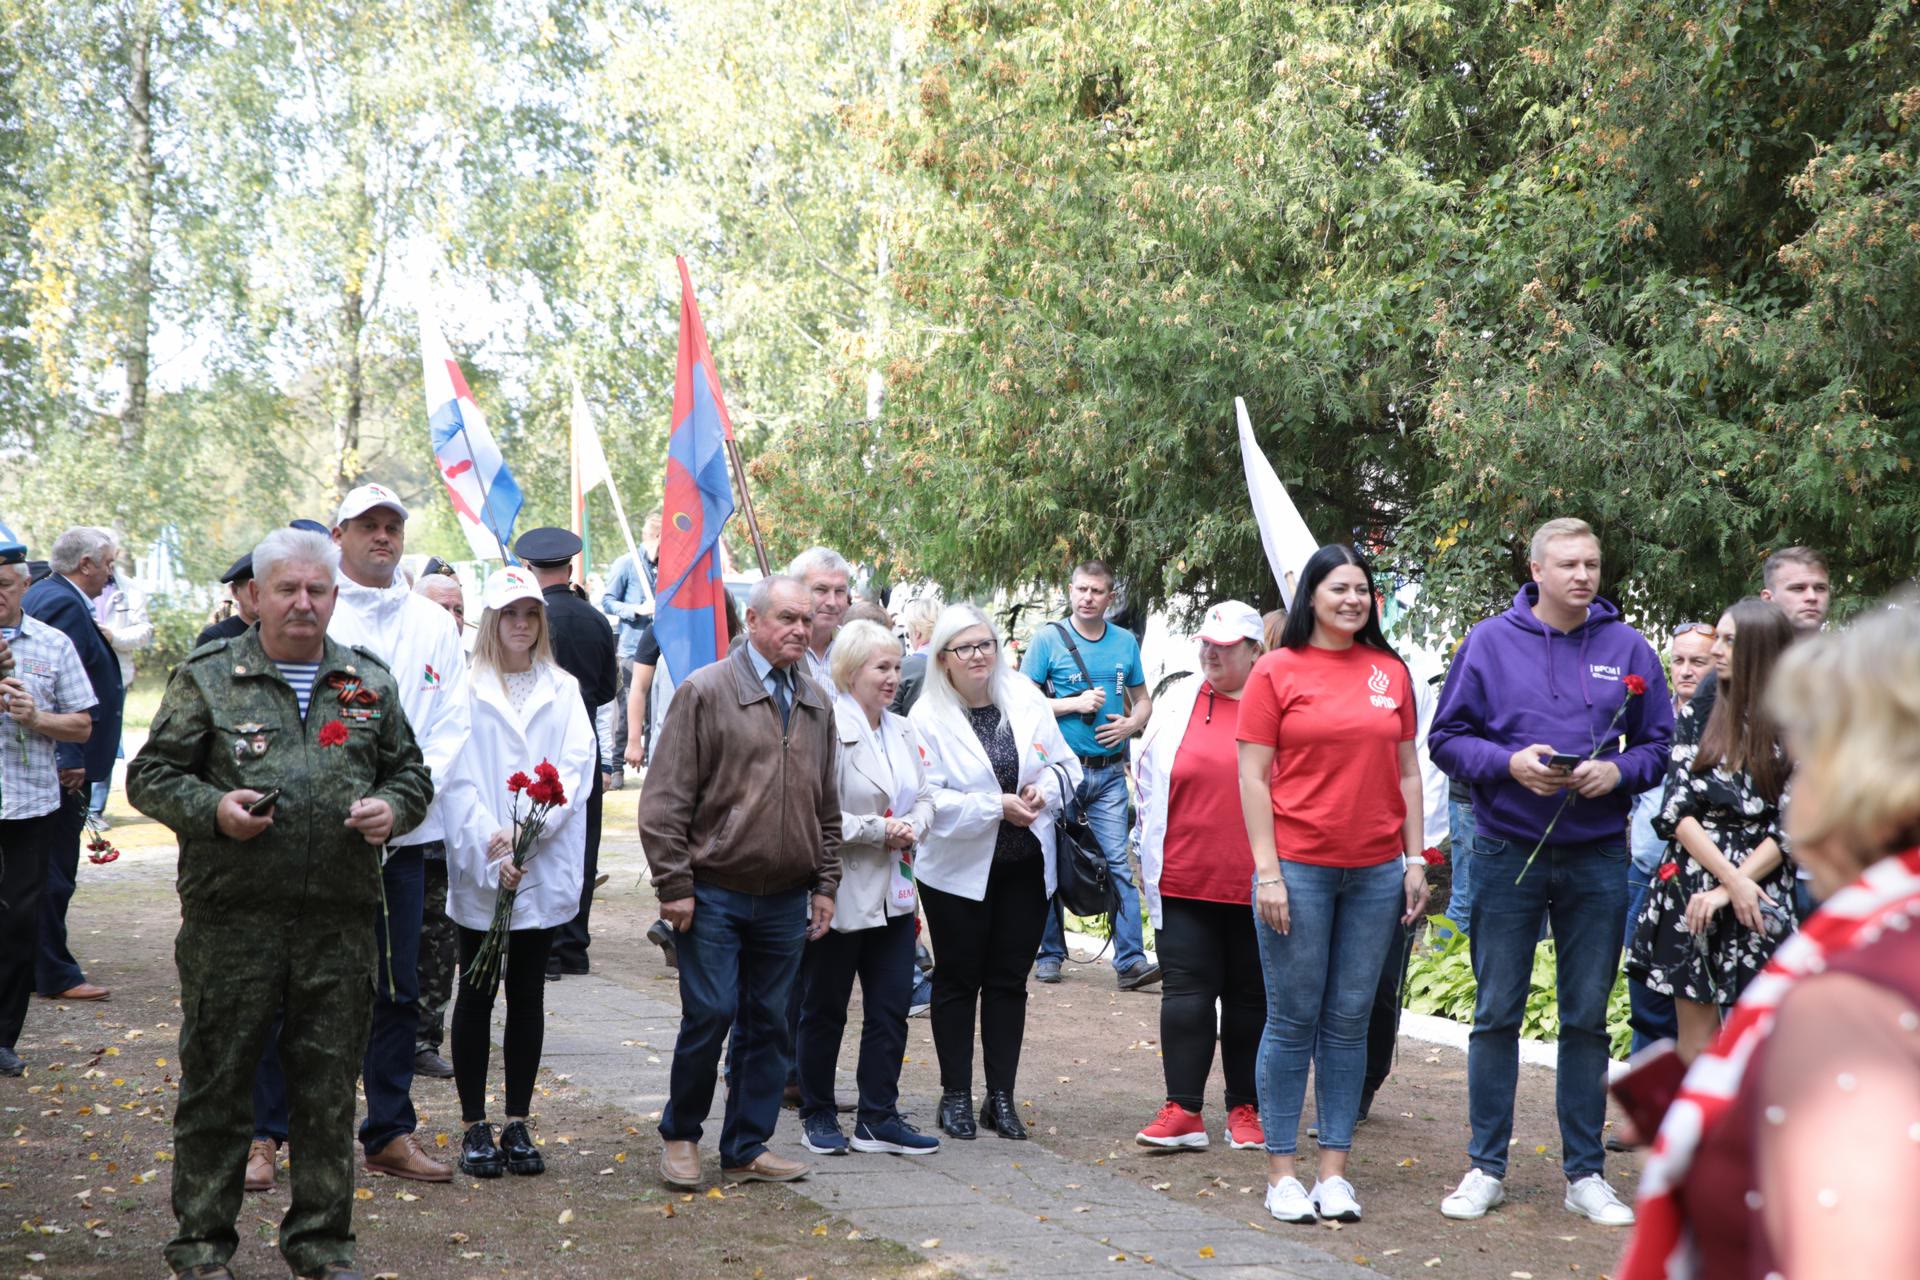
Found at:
<point>1083,882</point>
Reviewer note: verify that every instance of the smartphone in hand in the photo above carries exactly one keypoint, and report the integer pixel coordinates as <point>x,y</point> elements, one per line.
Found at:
<point>264,805</point>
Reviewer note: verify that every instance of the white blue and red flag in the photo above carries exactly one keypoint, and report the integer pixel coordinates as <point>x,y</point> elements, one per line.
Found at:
<point>485,498</point>
<point>690,620</point>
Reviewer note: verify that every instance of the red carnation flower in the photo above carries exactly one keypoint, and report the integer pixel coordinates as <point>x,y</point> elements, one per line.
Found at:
<point>333,734</point>
<point>540,792</point>
<point>546,772</point>
<point>558,793</point>
<point>1432,856</point>
<point>1636,685</point>
<point>1668,870</point>
<point>519,782</point>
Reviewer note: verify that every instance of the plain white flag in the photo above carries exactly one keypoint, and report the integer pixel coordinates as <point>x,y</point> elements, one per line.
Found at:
<point>1283,534</point>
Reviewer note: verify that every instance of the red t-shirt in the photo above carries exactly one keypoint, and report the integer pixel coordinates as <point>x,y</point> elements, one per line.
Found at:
<point>1336,719</point>
<point>1205,854</point>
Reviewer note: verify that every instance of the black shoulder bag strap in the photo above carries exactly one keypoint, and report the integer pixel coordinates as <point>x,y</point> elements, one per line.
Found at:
<point>1066,633</point>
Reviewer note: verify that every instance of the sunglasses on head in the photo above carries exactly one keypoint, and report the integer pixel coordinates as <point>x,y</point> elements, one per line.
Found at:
<point>1686,628</point>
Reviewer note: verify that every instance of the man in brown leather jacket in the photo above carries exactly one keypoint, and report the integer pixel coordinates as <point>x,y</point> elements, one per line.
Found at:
<point>740,822</point>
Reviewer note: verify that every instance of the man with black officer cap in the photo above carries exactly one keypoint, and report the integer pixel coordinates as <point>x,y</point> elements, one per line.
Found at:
<point>583,645</point>
<point>235,624</point>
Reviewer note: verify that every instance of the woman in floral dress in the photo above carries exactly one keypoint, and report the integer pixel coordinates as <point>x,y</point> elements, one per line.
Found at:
<point>1723,898</point>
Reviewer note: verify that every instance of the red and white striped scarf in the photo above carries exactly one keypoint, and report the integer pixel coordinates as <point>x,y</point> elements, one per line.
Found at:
<point>1662,1246</point>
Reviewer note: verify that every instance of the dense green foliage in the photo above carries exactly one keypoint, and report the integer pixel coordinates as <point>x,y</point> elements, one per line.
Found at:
<point>1440,982</point>
<point>984,278</point>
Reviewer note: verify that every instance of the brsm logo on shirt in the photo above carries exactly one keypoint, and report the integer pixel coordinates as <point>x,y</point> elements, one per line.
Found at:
<point>1377,684</point>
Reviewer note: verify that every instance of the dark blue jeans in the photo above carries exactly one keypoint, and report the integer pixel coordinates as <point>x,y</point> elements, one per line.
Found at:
<point>882,957</point>
<point>1103,792</point>
<point>387,1070</point>
<point>1653,1015</point>
<point>739,943</point>
<point>1321,978</point>
<point>54,968</point>
<point>1582,888</point>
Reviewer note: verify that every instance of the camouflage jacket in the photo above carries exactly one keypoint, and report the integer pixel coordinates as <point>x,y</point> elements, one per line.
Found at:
<point>230,720</point>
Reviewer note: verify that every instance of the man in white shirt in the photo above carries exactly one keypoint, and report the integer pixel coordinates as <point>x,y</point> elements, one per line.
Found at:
<point>420,644</point>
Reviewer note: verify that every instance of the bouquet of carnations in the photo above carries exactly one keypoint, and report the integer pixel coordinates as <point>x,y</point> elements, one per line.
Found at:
<point>100,850</point>
<point>543,794</point>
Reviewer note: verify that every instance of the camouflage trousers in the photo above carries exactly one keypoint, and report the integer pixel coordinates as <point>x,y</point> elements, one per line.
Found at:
<point>236,975</point>
<point>439,957</point>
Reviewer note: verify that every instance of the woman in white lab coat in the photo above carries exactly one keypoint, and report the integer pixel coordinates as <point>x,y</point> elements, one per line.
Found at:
<point>525,711</point>
<point>986,866</point>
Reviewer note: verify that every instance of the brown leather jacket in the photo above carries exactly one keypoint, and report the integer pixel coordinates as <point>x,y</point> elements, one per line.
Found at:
<point>729,801</point>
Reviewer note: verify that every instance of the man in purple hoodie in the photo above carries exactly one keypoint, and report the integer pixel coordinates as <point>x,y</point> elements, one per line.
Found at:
<point>1553,677</point>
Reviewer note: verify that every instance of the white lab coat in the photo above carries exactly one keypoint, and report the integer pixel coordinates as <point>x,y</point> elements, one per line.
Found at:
<point>1153,773</point>
<point>554,727</point>
<point>957,855</point>
<point>418,641</point>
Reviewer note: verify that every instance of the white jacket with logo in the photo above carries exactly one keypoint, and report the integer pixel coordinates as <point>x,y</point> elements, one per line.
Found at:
<point>554,726</point>
<point>420,644</point>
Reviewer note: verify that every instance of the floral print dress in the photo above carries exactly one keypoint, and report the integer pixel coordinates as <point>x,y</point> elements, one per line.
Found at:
<point>1738,819</point>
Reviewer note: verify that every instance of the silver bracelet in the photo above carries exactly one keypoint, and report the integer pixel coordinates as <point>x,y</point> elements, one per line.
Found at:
<point>1276,880</point>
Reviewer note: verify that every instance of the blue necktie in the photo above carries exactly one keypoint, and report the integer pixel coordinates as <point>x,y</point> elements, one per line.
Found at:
<point>783,695</point>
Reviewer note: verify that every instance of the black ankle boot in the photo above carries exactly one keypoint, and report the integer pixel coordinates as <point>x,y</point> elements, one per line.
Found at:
<point>516,1144</point>
<point>956,1114</point>
<point>479,1158</point>
<point>999,1114</point>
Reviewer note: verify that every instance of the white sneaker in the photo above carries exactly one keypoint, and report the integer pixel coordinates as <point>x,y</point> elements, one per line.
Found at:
<point>1333,1200</point>
<point>1594,1200</point>
<point>1287,1201</point>
<point>1478,1192</point>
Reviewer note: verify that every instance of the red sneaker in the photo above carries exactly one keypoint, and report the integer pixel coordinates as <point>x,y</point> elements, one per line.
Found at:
<point>1243,1128</point>
<point>1175,1126</point>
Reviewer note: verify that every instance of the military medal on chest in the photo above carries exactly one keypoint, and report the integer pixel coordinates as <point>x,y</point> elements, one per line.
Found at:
<point>250,741</point>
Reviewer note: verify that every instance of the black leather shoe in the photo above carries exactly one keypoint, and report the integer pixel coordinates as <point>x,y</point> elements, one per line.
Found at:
<point>956,1115</point>
<point>999,1114</point>
<point>516,1144</point>
<point>333,1271</point>
<point>662,935</point>
<point>10,1063</point>
<point>205,1271</point>
<point>432,1065</point>
<point>479,1158</point>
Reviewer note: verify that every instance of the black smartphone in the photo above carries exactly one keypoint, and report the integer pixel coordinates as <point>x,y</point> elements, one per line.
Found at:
<point>1563,760</point>
<point>264,805</point>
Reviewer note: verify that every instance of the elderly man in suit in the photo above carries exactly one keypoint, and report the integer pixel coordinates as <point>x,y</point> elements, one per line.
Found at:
<point>82,561</point>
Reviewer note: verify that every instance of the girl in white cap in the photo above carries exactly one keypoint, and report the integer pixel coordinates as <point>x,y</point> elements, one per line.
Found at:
<point>525,711</point>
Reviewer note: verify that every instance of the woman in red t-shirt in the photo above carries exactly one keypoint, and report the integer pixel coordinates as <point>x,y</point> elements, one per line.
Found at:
<point>1330,790</point>
<point>1195,865</point>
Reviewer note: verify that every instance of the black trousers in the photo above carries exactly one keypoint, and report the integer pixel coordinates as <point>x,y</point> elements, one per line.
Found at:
<point>1383,1028</point>
<point>23,873</point>
<point>982,951</point>
<point>525,978</point>
<point>570,940</point>
<point>55,969</point>
<point>1209,952</point>
<point>882,958</point>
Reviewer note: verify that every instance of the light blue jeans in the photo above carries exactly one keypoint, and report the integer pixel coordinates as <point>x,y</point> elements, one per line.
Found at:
<point>1103,792</point>
<point>1321,977</point>
<point>1460,830</point>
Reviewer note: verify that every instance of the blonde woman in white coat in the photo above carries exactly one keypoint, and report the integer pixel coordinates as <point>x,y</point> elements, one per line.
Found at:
<point>525,709</point>
<point>886,806</point>
<point>986,868</point>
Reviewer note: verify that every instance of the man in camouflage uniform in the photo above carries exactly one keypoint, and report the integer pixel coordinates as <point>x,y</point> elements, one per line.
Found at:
<point>277,909</point>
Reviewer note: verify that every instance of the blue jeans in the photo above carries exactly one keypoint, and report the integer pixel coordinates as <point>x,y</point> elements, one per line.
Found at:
<point>1103,794</point>
<point>1653,1015</point>
<point>1321,977</point>
<point>1460,833</point>
<point>882,958</point>
<point>1582,888</point>
<point>742,955</point>
<point>387,1069</point>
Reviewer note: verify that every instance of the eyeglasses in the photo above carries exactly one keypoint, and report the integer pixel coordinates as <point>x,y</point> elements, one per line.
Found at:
<point>964,652</point>
<point>1693,628</point>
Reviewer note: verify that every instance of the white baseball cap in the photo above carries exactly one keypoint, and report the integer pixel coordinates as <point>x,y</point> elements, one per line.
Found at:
<point>1230,622</point>
<point>504,586</point>
<point>365,499</point>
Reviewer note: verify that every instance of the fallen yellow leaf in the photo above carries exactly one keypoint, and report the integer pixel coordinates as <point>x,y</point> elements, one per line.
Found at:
<point>930,1244</point>
<point>566,1216</point>
<point>362,1193</point>
<point>713,1193</point>
<point>820,1230</point>
<point>440,1139</point>
<point>1206,1251</point>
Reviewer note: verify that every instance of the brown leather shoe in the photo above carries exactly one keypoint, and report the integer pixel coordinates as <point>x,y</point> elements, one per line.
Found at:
<point>404,1158</point>
<point>768,1167</point>
<point>85,991</point>
<point>263,1164</point>
<point>680,1164</point>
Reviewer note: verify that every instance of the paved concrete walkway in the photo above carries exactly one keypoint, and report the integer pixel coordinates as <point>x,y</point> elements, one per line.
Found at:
<point>995,1208</point>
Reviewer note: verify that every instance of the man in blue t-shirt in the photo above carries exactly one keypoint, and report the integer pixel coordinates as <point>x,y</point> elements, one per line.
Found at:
<point>1091,673</point>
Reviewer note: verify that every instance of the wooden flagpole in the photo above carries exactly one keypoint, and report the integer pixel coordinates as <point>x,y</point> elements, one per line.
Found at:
<point>746,502</point>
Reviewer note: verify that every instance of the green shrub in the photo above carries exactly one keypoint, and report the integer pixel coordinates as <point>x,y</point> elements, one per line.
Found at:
<point>1440,982</point>
<point>177,619</point>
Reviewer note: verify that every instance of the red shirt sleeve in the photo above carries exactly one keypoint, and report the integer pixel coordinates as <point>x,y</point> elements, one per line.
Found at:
<point>1409,712</point>
<point>1260,706</point>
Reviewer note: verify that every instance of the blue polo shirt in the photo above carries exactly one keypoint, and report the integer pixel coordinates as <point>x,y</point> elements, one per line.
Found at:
<point>1114,663</point>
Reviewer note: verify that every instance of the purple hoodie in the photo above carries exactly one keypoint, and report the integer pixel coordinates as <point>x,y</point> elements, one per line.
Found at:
<point>1516,681</point>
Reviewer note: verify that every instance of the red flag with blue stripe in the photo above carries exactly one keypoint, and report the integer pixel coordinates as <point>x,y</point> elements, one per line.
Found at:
<point>690,618</point>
